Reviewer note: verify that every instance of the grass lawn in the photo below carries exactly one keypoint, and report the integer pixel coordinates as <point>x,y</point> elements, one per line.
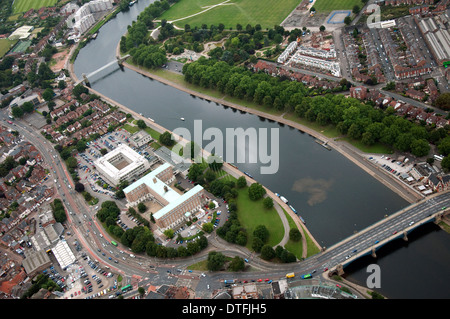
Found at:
<point>252,213</point>
<point>330,5</point>
<point>6,45</point>
<point>377,148</point>
<point>267,13</point>
<point>131,129</point>
<point>25,5</point>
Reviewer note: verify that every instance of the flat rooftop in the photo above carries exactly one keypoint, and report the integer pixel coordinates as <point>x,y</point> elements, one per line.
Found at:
<point>173,198</point>
<point>120,161</point>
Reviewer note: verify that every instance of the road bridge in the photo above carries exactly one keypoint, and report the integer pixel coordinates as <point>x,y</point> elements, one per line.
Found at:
<point>118,60</point>
<point>396,226</point>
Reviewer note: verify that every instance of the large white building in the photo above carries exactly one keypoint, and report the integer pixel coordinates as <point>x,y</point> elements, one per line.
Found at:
<point>122,164</point>
<point>175,208</point>
<point>83,16</point>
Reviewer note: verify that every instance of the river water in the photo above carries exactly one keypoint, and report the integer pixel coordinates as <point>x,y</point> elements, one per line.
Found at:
<point>334,196</point>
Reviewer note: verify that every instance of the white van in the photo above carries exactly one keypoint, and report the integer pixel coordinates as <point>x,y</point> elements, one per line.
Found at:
<point>132,256</point>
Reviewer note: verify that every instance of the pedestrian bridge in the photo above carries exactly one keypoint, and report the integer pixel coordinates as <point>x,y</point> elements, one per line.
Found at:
<point>118,60</point>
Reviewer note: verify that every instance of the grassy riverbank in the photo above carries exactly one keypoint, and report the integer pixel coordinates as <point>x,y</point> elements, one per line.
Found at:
<point>330,131</point>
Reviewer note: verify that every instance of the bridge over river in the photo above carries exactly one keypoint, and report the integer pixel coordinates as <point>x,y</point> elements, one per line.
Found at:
<point>86,77</point>
<point>395,226</point>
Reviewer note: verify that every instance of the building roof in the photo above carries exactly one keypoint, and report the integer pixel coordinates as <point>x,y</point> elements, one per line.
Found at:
<point>177,202</point>
<point>134,161</point>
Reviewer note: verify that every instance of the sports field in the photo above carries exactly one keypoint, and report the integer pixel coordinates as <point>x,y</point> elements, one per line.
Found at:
<point>267,13</point>
<point>25,5</point>
<point>330,5</point>
<point>5,46</point>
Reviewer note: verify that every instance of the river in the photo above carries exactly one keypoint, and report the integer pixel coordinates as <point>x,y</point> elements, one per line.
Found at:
<point>334,196</point>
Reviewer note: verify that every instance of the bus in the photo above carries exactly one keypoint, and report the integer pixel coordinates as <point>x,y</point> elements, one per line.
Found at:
<point>290,275</point>
<point>113,243</point>
<point>127,288</point>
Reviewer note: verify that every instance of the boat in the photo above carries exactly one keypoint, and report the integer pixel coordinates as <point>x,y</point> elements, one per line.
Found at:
<point>324,144</point>
<point>248,174</point>
<point>293,209</point>
<point>151,119</point>
<point>284,199</point>
<point>182,118</point>
<point>278,195</point>
<point>301,219</point>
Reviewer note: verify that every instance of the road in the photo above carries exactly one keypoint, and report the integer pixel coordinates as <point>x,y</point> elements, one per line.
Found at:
<point>92,237</point>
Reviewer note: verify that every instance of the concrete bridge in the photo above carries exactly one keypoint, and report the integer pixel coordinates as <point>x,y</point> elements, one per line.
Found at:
<point>118,60</point>
<point>398,225</point>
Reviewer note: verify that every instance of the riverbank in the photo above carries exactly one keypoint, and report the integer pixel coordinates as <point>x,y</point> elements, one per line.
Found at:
<point>347,150</point>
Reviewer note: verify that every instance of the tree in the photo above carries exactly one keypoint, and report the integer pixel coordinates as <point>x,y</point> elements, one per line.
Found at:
<point>347,20</point>
<point>79,187</point>
<point>446,164</point>
<point>257,244</point>
<point>207,227</point>
<point>294,234</point>
<point>356,9</point>
<point>216,261</point>
<point>322,28</point>
<point>443,101</point>
<point>215,162</point>
<point>142,208</point>
<point>48,94</point>
<point>241,182</point>
<point>261,232</point>
<point>16,112</point>
<point>267,252</point>
<point>236,264</point>
<point>268,202</point>
<point>166,139</point>
<point>420,147</point>
<point>141,124</point>
<point>256,191</point>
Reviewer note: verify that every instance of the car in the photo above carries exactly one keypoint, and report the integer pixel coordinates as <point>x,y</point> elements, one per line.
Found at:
<point>394,233</point>
<point>377,241</point>
<point>337,285</point>
<point>411,223</point>
<point>325,269</point>
<point>259,280</point>
<point>267,279</point>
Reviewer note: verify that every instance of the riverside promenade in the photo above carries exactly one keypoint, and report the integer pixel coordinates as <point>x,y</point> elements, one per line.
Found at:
<point>226,166</point>
<point>347,150</point>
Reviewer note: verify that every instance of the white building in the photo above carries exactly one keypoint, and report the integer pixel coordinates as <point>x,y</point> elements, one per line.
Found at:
<point>175,208</point>
<point>122,164</point>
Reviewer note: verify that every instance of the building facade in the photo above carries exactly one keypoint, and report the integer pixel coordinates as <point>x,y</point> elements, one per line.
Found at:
<point>176,208</point>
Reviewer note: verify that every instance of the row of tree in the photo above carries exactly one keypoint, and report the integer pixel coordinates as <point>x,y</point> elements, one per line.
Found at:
<point>357,120</point>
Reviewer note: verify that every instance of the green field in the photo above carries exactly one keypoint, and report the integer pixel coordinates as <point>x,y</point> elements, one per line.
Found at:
<point>330,5</point>
<point>5,46</point>
<point>267,13</point>
<point>252,213</point>
<point>25,5</point>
